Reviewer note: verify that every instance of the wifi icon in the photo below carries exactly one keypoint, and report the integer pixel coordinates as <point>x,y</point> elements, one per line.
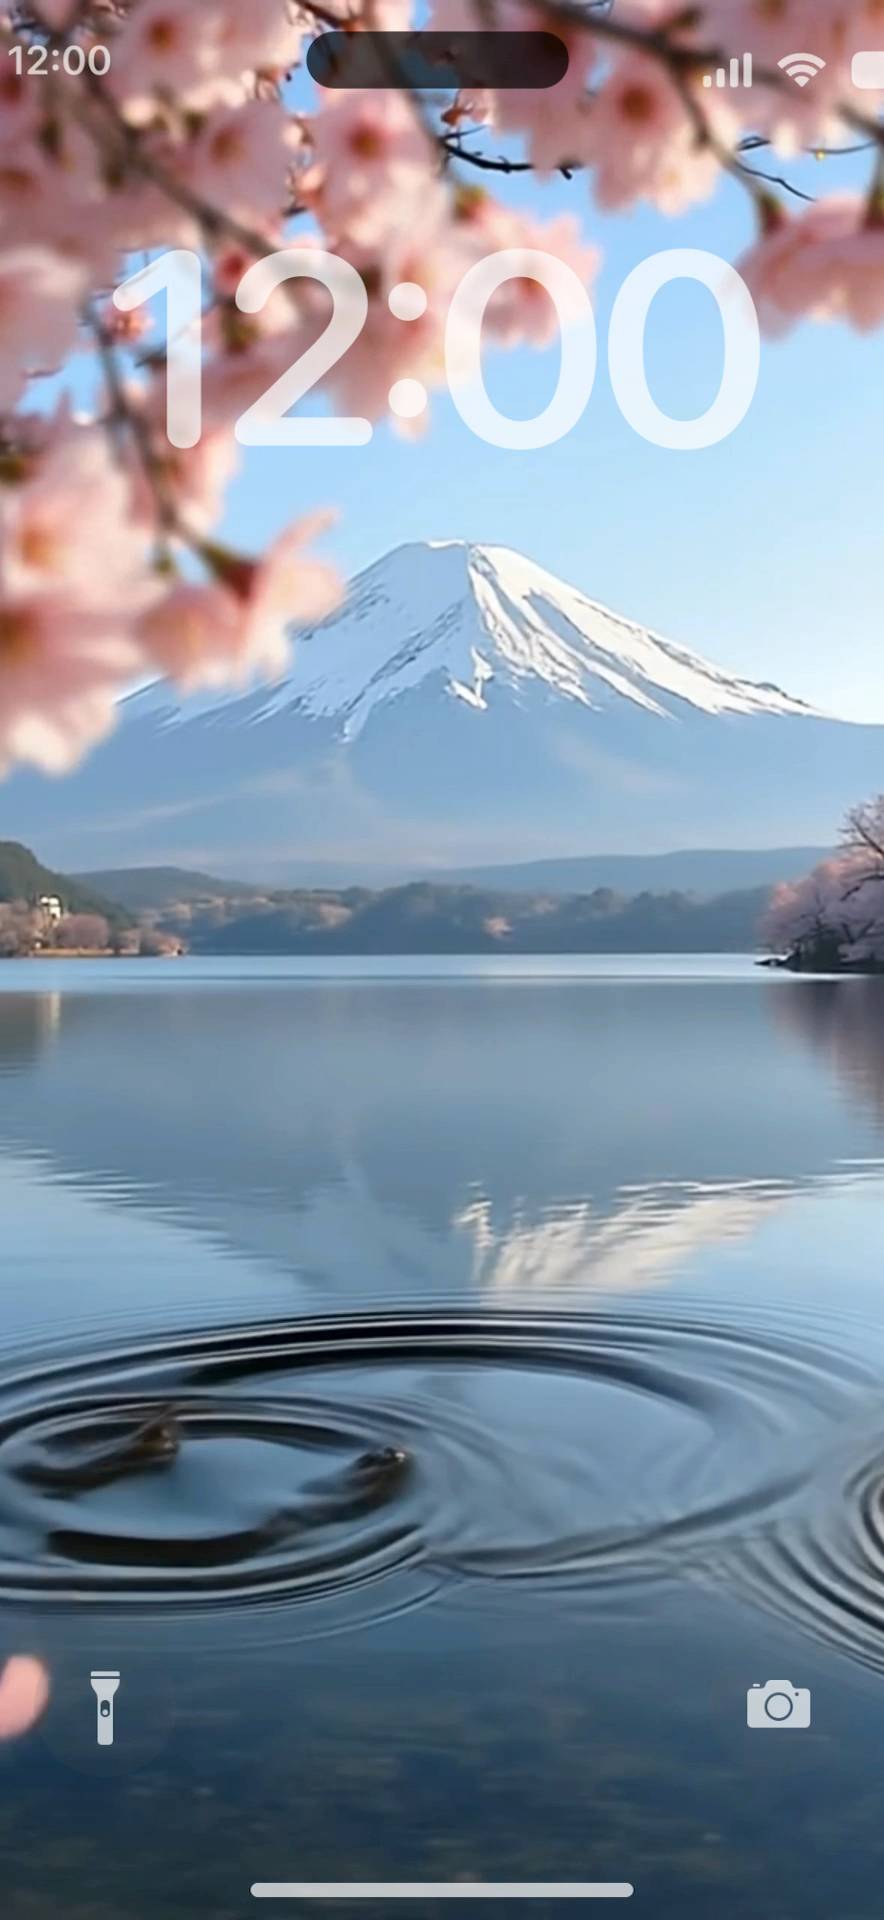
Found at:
<point>802,67</point>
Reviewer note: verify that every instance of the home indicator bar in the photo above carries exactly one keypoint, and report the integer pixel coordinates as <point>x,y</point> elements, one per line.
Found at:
<point>442,1890</point>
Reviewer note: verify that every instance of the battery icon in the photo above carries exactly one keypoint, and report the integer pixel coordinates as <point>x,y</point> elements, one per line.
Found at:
<point>867,71</point>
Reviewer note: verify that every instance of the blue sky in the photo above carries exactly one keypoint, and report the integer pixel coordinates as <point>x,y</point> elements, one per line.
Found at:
<point>764,553</point>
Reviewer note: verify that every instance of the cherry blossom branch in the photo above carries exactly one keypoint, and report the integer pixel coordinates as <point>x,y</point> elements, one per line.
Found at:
<point>124,416</point>
<point>190,141</point>
<point>213,221</point>
<point>452,143</point>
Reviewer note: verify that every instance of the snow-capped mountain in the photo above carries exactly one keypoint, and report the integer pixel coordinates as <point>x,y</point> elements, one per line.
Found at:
<point>492,622</point>
<point>461,706</point>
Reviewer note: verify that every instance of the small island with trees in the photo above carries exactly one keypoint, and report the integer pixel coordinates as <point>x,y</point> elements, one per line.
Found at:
<point>832,921</point>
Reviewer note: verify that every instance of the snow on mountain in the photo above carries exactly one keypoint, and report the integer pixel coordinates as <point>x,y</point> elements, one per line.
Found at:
<point>462,708</point>
<point>485,617</point>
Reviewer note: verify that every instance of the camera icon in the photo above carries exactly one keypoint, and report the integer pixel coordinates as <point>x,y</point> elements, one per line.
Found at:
<point>777,1704</point>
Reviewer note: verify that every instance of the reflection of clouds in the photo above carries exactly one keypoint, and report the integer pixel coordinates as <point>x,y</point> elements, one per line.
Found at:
<point>647,1236</point>
<point>842,1020</point>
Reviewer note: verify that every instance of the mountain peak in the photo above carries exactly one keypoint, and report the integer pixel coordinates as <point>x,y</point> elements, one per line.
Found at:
<point>462,708</point>
<point>479,619</point>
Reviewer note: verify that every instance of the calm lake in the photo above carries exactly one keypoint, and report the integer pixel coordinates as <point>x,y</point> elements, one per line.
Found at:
<point>523,1325</point>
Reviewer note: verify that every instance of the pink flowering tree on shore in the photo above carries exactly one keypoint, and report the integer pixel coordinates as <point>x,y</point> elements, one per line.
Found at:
<point>833,919</point>
<point>111,569</point>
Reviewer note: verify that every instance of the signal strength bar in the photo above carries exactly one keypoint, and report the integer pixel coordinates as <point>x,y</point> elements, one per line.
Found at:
<point>738,74</point>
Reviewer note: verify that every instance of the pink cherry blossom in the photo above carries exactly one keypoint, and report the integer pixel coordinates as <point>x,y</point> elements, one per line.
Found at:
<point>390,16</point>
<point>24,1694</point>
<point>362,379</point>
<point>830,29</point>
<point>552,118</point>
<point>56,14</point>
<point>61,669</point>
<point>237,626</point>
<point>200,52</point>
<point>52,193</point>
<point>46,544</point>
<point>828,263</point>
<point>40,294</point>
<point>241,159</point>
<point>194,635</point>
<point>521,309</point>
<point>167,50</point>
<point>641,142</point>
<point>371,175</point>
<point>434,257</point>
<point>288,586</point>
<point>19,111</point>
<point>265,36</point>
<point>193,479</point>
<point>25,176</point>
<point>140,216</point>
<point>249,351</point>
<point>110,562</point>
<point>834,916</point>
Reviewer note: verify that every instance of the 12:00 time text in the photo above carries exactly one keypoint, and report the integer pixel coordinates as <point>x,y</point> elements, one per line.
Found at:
<point>71,59</point>
<point>269,423</point>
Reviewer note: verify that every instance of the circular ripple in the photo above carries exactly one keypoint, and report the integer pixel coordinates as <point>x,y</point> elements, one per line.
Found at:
<point>537,1448</point>
<point>823,1568</point>
<point>259,1500</point>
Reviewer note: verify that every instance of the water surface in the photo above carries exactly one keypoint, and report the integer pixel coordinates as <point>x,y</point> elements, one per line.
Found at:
<point>595,1245</point>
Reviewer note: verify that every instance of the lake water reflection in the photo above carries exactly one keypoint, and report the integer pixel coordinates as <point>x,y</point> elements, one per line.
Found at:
<point>600,1249</point>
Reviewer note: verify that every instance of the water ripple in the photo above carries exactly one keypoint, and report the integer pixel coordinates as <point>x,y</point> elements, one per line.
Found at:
<point>534,1448</point>
<point>823,1570</point>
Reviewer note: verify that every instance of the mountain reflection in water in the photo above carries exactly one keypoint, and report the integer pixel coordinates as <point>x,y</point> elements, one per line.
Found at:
<point>373,1139</point>
<point>599,1257</point>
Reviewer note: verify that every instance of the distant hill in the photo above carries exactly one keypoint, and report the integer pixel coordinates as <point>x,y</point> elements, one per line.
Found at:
<point>696,870</point>
<point>22,877</point>
<point>702,872</point>
<point>147,889</point>
<point>425,918</point>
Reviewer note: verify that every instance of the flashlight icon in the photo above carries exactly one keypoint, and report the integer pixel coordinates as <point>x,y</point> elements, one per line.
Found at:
<point>104,1686</point>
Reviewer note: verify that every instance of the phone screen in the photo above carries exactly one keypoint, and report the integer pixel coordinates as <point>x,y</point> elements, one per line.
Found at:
<point>441,929</point>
